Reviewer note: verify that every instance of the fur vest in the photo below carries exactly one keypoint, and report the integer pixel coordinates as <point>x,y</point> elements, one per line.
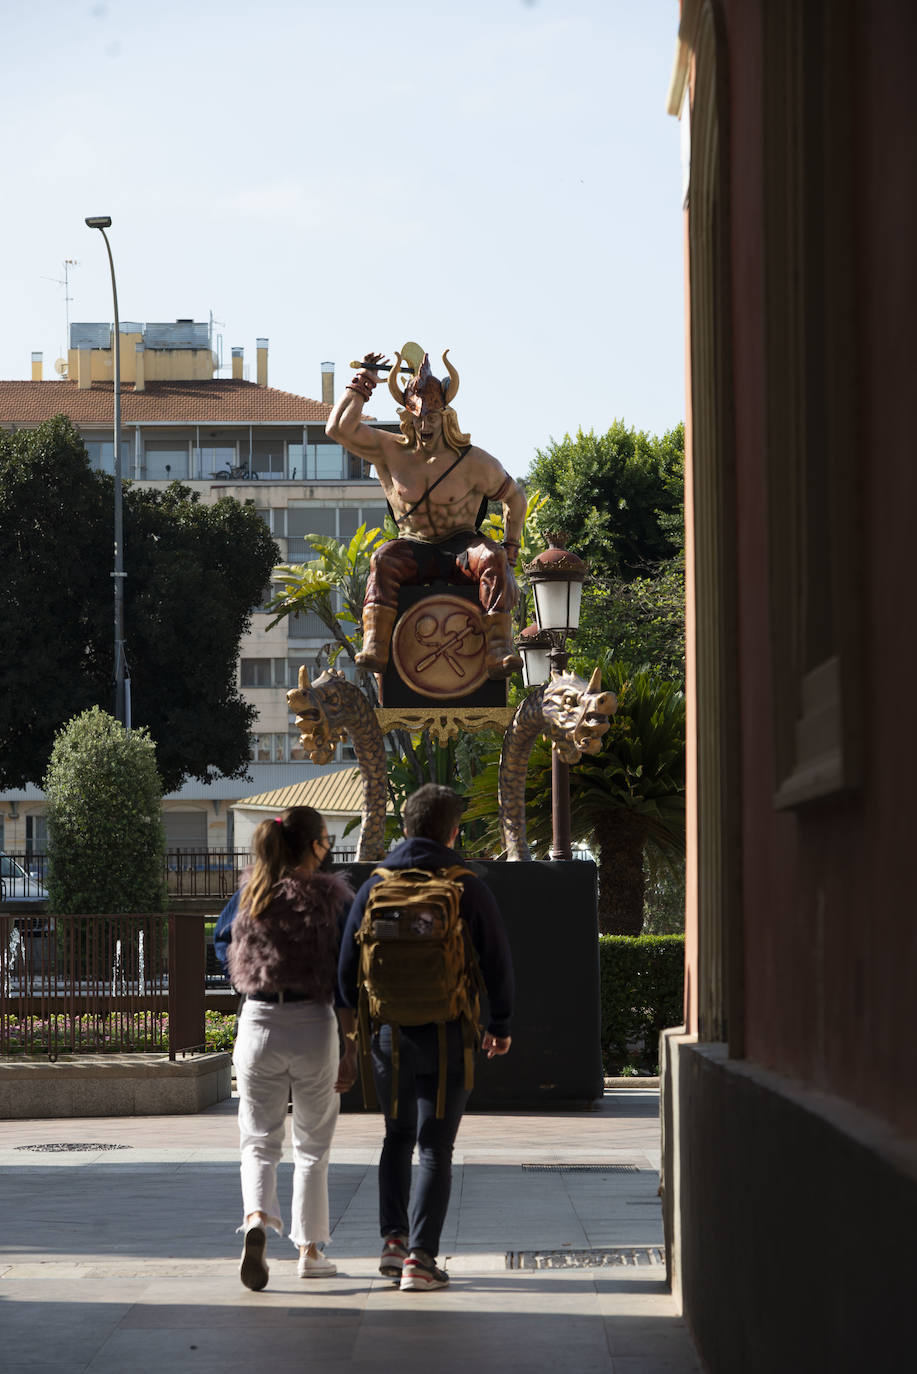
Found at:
<point>293,943</point>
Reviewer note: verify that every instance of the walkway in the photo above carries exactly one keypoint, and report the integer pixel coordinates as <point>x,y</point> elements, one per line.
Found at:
<point>124,1259</point>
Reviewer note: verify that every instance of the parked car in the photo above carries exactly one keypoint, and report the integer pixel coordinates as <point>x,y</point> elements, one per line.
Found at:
<point>16,885</point>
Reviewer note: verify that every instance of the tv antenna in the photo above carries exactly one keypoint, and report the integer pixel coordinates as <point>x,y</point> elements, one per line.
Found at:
<point>65,283</point>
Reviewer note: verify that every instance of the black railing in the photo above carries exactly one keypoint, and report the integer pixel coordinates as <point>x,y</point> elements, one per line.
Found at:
<point>188,872</point>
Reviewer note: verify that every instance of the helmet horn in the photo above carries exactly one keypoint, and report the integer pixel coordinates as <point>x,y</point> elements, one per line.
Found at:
<point>451,389</point>
<point>393,386</point>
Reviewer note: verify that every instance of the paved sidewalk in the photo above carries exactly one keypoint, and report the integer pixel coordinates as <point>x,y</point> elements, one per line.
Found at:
<point>125,1260</point>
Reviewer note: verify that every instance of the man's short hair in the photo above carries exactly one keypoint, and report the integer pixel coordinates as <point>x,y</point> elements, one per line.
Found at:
<point>432,813</point>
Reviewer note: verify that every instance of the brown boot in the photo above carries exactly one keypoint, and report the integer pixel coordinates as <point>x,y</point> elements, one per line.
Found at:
<point>378,623</point>
<point>502,658</point>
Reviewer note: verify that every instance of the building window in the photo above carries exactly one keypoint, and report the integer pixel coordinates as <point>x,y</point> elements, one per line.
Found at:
<point>102,454</point>
<point>318,462</point>
<point>264,672</point>
<point>269,747</point>
<point>256,672</point>
<point>267,459</point>
<point>165,461</point>
<point>217,460</point>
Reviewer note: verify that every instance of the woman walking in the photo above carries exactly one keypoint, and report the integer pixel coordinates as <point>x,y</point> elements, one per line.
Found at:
<point>282,929</point>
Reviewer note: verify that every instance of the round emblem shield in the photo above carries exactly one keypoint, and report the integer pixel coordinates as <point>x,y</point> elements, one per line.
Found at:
<point>438,648</point>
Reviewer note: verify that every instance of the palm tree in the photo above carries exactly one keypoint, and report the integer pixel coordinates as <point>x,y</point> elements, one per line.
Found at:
<point>622,799</point>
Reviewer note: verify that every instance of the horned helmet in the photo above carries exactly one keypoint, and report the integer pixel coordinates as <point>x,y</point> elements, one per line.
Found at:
<point>424,393</point>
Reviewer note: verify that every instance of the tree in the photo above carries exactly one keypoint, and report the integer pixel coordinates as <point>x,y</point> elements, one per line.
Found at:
<point>627,796</point>
<point>106,839</point>
<point>194,573</point>
<point>618,497</point>
<point>638,621</point>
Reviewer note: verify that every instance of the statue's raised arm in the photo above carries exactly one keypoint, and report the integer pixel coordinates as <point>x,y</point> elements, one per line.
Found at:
<point>345,423</point>
<point>438,485</point>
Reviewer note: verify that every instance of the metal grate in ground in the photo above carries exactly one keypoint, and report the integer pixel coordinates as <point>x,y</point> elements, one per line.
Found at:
<point>583,1168</point>
<point>616,1256</point>
<point>68,1146</point>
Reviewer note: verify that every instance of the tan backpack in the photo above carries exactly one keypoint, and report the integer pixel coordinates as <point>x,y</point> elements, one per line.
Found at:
<point>416,967</point>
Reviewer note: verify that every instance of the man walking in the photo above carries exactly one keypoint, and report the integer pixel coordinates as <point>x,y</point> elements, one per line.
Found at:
<point>411,1222</point>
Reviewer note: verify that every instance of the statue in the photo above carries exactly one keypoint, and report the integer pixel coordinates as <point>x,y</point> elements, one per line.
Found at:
<point>331,709</point>
<point>574,715</point>
<point>437,484</point>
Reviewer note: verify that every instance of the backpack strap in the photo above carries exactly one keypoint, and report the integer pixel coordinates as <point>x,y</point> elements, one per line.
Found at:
<point>441,1084</point>
<point>396,1060</point>
<point>469,1044</point>
<point>364,1042</point>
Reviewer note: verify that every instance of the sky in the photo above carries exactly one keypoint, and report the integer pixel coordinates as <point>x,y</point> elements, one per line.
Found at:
<point>495,177</point>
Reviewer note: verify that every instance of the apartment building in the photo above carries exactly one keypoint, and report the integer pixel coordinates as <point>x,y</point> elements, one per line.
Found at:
<point>221,436</point>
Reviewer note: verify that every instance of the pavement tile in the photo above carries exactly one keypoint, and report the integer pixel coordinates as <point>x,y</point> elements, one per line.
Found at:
<point>127,1259</point>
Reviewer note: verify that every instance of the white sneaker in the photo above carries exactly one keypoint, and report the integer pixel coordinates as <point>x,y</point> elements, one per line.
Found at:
<point>320,1268</point>
<point>253,1269</point>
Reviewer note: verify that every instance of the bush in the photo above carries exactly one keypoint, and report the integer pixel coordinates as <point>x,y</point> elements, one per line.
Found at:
<point>105,837</point>
<point>123,1033</point>
<point>642,981</point>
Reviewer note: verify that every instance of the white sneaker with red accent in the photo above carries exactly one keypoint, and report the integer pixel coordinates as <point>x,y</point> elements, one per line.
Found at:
<point>420,1274</point>
<point>394,1254</point>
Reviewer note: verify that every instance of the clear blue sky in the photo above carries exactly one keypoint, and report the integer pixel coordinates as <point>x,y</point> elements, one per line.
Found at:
<point>497,177</point>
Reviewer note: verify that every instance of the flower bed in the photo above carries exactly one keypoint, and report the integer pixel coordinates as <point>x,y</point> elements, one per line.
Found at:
<point>137,1032</point>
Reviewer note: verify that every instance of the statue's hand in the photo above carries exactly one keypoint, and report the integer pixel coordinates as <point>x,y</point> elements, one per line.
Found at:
<point>373,361</point>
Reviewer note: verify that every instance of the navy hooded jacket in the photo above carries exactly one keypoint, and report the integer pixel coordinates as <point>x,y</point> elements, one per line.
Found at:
<point>478,910</point>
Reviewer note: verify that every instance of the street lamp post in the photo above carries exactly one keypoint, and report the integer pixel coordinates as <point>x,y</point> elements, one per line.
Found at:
<point>122,676</point>
<point>556,578</point>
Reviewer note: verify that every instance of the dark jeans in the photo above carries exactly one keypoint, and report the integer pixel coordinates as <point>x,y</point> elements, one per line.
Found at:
<point>417,1214</point>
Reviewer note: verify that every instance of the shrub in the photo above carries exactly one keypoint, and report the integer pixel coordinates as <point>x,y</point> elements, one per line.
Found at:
<point>105,837</point>
<point>137,1032</point>
<point>642,981</point>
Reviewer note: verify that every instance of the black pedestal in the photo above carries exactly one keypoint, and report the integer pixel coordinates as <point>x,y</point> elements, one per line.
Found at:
<point>549,909</point>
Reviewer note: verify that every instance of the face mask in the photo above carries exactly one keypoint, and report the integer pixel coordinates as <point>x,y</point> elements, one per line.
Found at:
<point>326,864</point>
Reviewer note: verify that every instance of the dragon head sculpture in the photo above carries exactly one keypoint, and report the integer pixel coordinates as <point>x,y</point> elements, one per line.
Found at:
<point>321,709</point>
<point>577,714</point>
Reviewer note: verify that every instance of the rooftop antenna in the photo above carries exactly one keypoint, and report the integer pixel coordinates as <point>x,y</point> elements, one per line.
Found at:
<point>65,283</point>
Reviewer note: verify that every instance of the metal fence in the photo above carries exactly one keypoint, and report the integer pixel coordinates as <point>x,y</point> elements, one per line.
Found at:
<point>188,872</point>
<point>101,984</point>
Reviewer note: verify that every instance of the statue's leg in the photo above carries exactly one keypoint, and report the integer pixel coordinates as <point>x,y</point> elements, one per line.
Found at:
<point>392,565</point>
<point>486,563</point>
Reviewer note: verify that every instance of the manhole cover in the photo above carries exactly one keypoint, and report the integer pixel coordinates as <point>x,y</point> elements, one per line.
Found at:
<point>583,1168</point>
<point>67,1146</point>
<point>585,1259</point>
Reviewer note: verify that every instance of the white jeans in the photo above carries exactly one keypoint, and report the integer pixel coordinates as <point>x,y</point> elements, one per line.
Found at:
<point>279,1047</point>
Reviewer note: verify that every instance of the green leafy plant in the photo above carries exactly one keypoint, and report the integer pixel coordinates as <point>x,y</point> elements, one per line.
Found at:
<point>105,837</point>
<point>642,992</point>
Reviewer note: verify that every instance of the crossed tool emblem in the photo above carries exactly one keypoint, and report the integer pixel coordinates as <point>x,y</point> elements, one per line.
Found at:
<point>447,639</point>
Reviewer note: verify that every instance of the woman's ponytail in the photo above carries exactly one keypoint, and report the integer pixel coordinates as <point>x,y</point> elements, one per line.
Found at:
<point>280,843</point>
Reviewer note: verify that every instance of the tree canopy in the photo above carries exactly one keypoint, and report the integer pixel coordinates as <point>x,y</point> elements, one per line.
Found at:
<point>618,497</point>
<point>194,574</point>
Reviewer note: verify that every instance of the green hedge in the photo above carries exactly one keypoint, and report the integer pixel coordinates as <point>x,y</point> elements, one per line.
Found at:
<point>642,993</point>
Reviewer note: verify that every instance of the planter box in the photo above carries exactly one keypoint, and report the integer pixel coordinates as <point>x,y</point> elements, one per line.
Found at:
<point>113,1085</point>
